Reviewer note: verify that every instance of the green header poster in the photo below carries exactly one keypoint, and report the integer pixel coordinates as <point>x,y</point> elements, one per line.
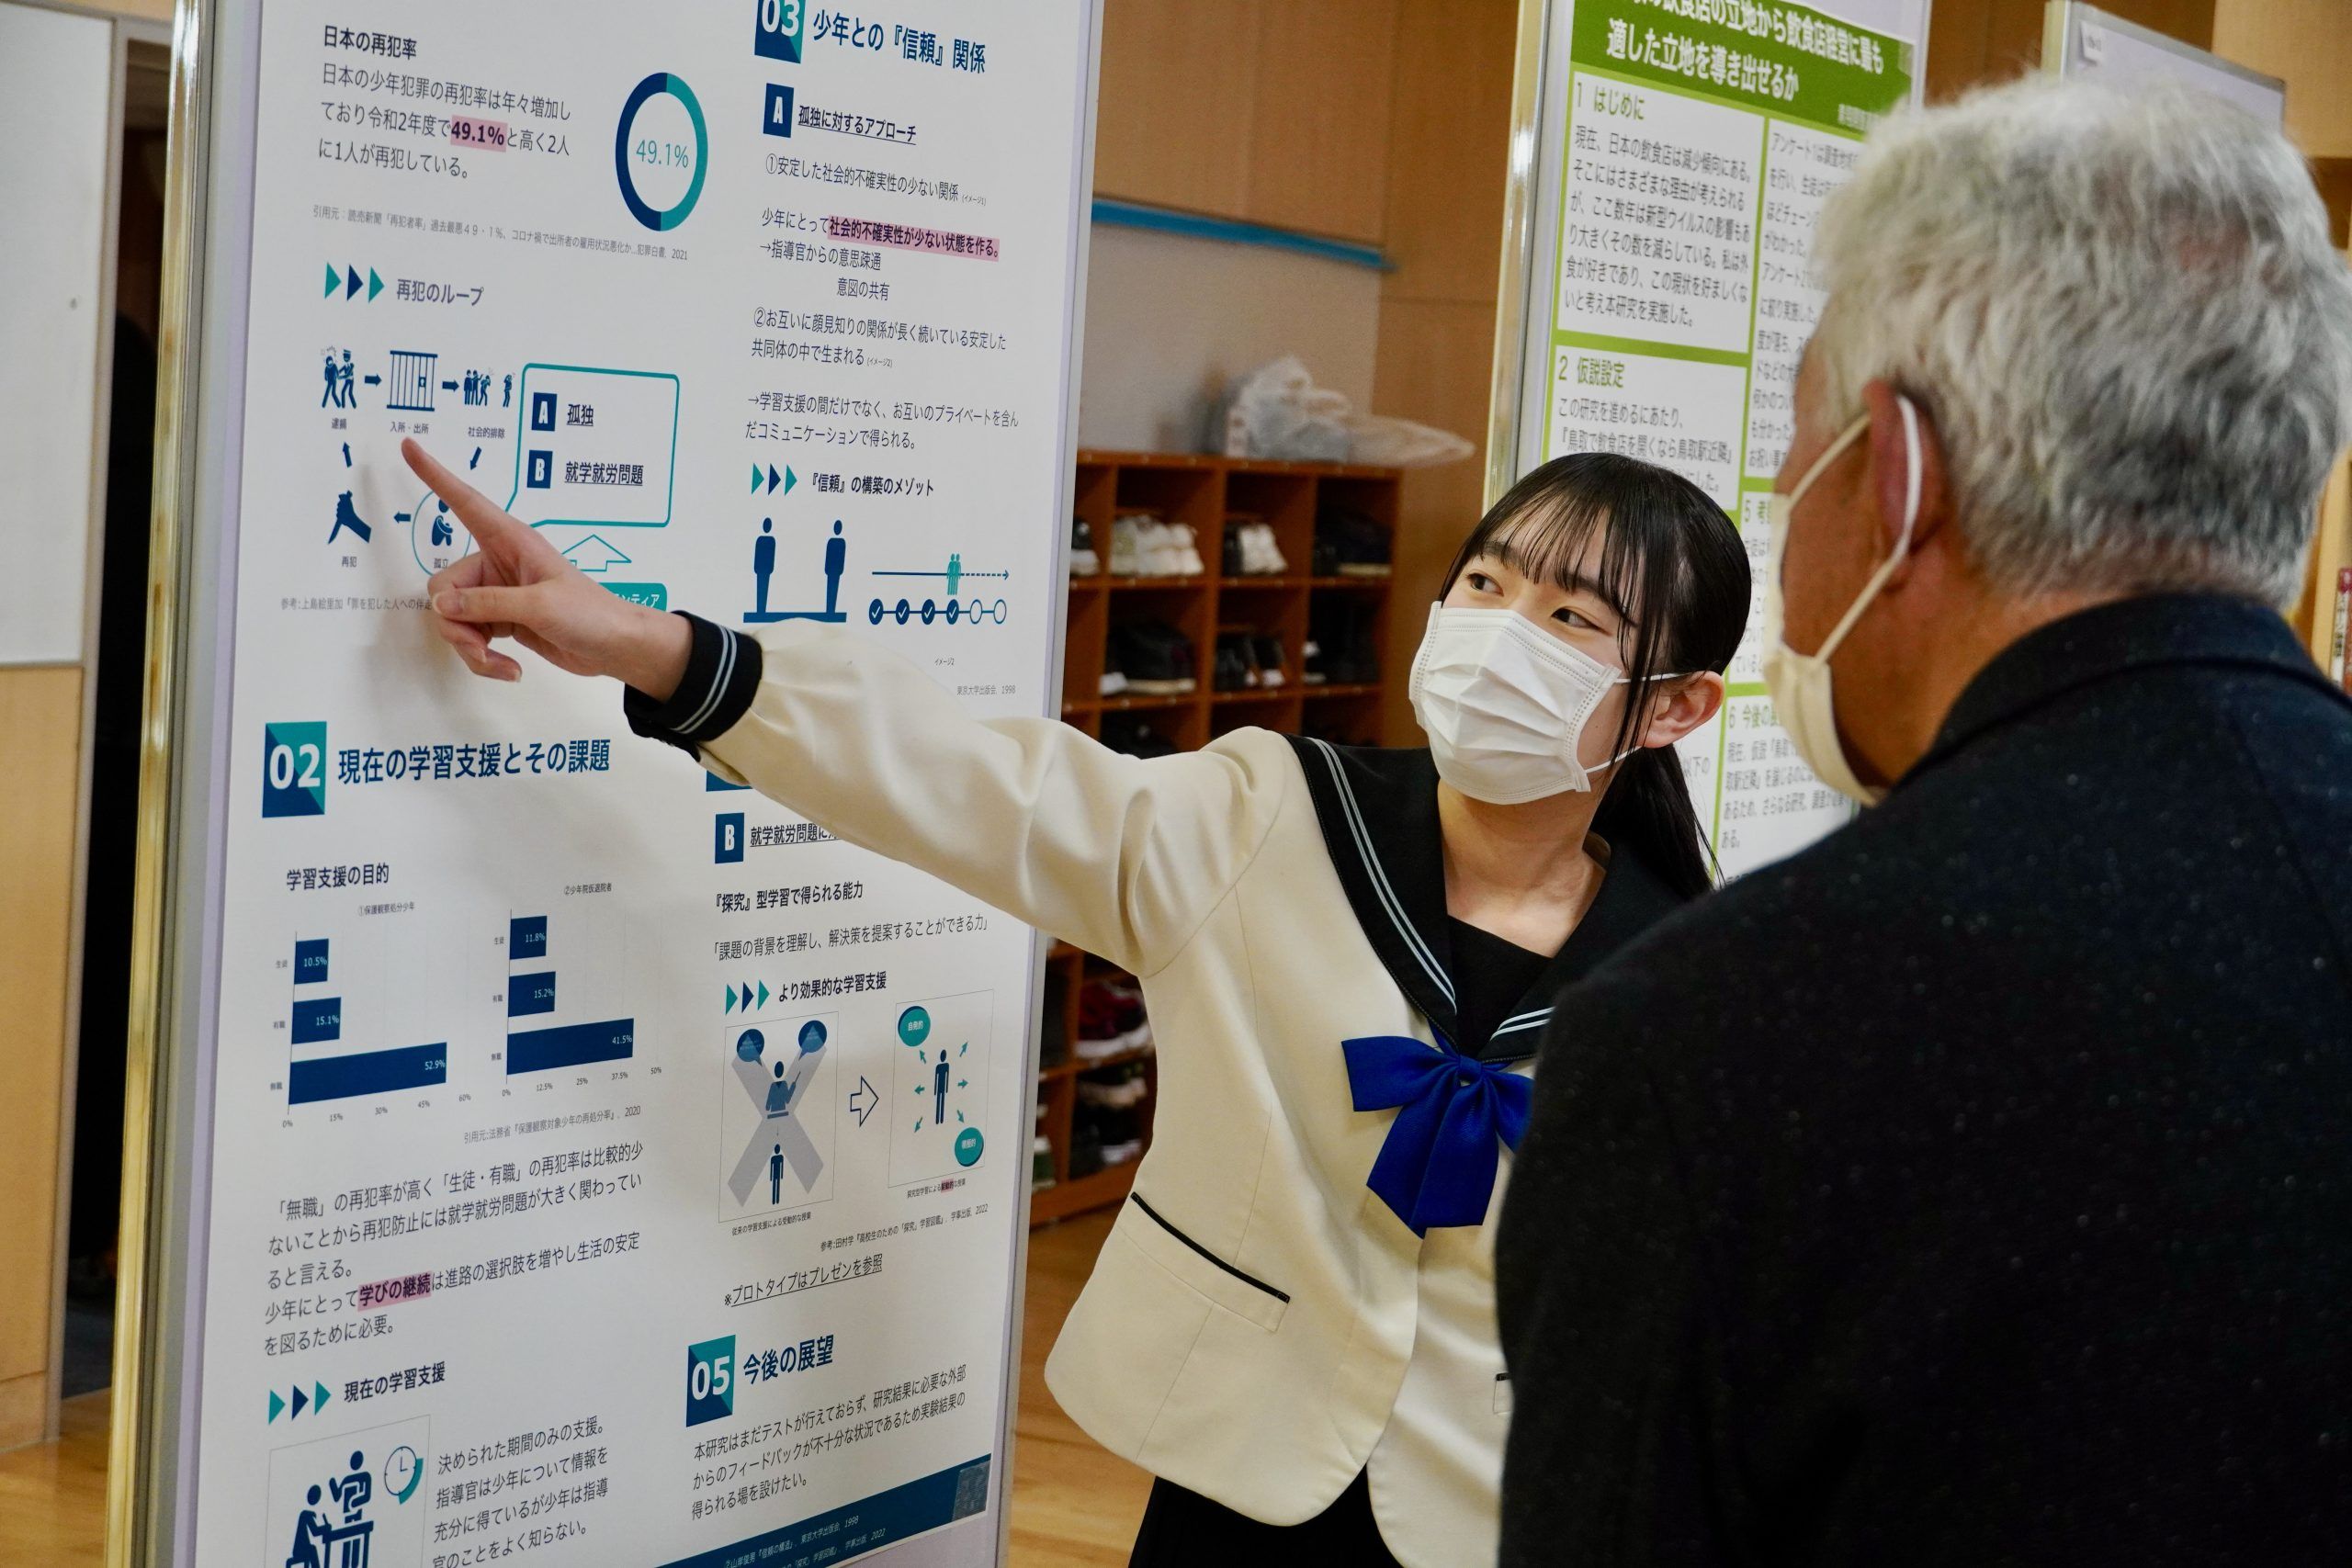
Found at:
<point>1691,144</point>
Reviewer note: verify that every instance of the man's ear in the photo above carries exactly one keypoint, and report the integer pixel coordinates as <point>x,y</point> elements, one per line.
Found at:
<point>1687,705</point>
<point>1892,467</point>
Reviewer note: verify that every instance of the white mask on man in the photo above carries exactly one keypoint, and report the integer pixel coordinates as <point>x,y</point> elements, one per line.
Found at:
<point>1800,682</point>
<point>1505,702</point>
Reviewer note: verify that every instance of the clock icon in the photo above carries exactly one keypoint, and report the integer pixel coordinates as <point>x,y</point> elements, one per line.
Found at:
<point>403,1471</point>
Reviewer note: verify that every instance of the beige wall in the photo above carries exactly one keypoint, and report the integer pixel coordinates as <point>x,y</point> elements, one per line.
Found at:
<point>1448,141</point>
<point>1274,112</point>
<point>40,714</point>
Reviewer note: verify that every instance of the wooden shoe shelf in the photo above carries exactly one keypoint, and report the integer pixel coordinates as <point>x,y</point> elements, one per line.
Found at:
<point>1204,493</point>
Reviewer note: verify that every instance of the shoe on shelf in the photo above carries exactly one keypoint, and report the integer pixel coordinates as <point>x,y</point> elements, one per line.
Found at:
<point>1269,650</point>
<point>1310,664</point>
<point>1270,552</point>
<point>1349,543</point>
<point>1110,1020</point>
<point>1083,561</point>
<point>1126,547</point>
<point>1183,550</point>
<point>1232,672</point>
<point>1158,658</point>
<point>1132,733</point>
<point>1250,549</point>
<point>1342,638</point>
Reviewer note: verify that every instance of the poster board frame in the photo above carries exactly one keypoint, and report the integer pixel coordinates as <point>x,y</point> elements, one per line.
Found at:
<point>171,970</point>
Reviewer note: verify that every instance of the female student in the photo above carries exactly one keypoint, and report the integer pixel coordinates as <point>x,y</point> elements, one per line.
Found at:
<point>1350,958</point>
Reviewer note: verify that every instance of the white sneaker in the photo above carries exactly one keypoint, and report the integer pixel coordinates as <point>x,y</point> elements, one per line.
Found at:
<point>1270,554</point>
<point>1185,547</point>
<point>1127,547</point>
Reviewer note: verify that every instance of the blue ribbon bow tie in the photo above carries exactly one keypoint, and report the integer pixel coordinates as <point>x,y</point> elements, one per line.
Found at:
<point>1437,1166</point>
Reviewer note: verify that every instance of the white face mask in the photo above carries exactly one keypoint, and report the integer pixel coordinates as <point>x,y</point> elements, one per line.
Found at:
<point>1800,682</point>
<point>1504,704</point>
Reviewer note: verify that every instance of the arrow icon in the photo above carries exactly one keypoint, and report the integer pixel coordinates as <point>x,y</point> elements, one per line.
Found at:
<point>277,1404</point>
<point>790,479</point>
<point>595,556</point>
<point>862,1099</point>
<point>334,279</point>
<point>350,281</point>
<point>764,993</point>
<point>319,1397</point>
<point>730,999</point>
<point>301,1403</point>
<point>375,284</point>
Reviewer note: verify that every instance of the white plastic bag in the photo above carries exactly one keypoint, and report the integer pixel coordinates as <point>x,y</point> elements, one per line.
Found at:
<point>1277,411</point>
<point>1386,443</point>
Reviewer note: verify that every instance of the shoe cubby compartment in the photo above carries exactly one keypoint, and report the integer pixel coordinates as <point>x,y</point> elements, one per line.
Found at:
<point>1202,493</point>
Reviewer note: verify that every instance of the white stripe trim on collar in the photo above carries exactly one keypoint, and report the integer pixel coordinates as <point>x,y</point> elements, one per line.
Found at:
<point>1387,895</point>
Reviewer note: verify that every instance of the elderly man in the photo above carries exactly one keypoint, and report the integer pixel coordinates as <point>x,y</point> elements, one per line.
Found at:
<point>1976,1187</point>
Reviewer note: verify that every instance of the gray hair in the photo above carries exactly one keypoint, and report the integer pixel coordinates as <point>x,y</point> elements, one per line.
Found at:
<point>2127,319</point>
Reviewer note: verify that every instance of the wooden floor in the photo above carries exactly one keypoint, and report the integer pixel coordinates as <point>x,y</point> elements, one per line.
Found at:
<point>1073,1505</point>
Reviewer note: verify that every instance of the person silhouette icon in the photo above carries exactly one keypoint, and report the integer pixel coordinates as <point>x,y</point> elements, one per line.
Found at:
<point>779,1093</point>
<point>762,567</point>
<point>507,391</point>
<point>776,1175</point>
<point>349,398</point>
<point>312,1533</point>
<point>332,397</point>
<point>939,1089</point>
<point>836,560</point>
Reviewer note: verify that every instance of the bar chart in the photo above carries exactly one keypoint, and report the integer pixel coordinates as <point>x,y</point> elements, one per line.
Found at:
<point>323,1064</point>
<point>570,966</point>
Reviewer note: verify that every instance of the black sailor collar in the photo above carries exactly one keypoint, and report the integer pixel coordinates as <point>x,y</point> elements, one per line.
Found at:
<point>1377,808</point>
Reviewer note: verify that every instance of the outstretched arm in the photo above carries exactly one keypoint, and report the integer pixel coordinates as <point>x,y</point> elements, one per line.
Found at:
<point>1122,856</point>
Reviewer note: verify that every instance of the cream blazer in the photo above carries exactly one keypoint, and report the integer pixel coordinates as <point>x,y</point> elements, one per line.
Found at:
<point>1252,1316</point>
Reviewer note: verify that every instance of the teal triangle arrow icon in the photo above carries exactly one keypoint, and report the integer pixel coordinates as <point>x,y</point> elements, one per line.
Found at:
<point>350,281</point>
<point>334,280</point>
<point>301,1402</point>
<point>319,1397</point>
<point>764,993</point>
<point>277,1404</point>
<point>730,999</point>
<point>756,479</point>
<point>375,284</point>
<point>790,479</point>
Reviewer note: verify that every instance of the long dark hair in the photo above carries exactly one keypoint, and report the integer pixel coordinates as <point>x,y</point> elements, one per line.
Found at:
<point>1674,564</point>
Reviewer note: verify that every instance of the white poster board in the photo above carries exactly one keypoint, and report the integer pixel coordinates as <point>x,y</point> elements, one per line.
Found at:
<point>1681,155</point>
<point>57,112</point>
<point>587,1164</point>
<point>2082,40</point>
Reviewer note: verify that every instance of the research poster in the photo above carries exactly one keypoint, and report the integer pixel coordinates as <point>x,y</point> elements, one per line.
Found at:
<point>1690,145</point>
<point>605,1168</point>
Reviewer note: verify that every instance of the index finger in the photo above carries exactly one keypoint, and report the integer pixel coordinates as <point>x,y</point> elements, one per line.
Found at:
<point>499,535</point>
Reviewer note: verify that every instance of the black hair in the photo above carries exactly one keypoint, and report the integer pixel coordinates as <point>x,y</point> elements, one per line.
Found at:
<point>1673,566</point>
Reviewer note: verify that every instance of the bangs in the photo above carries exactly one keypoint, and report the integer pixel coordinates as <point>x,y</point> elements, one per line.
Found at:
<point>1550,539</point>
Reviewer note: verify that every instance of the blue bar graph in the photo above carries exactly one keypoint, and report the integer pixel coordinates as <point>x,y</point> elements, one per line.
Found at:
<point>317,1018</point>
<point>529,994</point>
<point>372,1072</point>
<point>570,1045</point>
<point>310,962</point>
<point>527,937</point>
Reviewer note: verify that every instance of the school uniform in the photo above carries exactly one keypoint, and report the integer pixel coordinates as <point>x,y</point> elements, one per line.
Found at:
<point>1297,1303</point>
